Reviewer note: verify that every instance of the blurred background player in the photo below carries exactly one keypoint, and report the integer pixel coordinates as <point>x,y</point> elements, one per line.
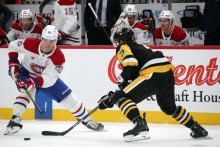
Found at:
<point>39,71</point>
<point>3,37</point>
<point>108,12</point>
<point>145,72</point>
<point>65,18</point>
<point>26,28</point>
<point>210,23</point>
<point>168,33</point>
<point>130,15</point>
<point>6,15</point>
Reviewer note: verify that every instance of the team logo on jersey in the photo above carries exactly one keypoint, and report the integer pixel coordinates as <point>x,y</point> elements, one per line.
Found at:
<point>19,43</point>
<point>37,69</point>
<point>59,68</point>
<point>32,57</point>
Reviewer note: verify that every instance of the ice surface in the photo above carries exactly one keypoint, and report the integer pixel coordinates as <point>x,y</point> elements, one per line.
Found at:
<point>162,135</point>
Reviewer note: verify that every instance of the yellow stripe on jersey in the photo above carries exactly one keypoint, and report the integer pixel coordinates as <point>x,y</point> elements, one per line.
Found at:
<point>124,51</point>
<point>136,82</point>
<point>158,69</point>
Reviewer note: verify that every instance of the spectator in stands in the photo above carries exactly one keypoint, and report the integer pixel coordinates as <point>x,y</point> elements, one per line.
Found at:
<point>3,37</point>
<point>65,18</point>
<point>210,23</point>
<point>26,28</point>
<point>108,12</point>
<point>128,19</point>
<point>6,15</point>
<point>168,33</point>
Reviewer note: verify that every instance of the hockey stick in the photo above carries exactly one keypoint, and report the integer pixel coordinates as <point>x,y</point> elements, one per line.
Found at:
<point>42,5</point>
<point>35,104</point>
<point>51,133</point>
<point>93,11</point>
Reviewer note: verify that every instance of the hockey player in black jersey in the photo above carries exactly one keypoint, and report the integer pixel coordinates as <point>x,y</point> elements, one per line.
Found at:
<point>145,72</point>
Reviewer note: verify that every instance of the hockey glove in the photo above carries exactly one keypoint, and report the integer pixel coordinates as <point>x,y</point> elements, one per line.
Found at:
<point>61,35</point>
<point>27,84</point>
<point>14,69</point>
<point>44,18</point>
<point>199,34</point>
<point>122,83</point>
<point>108,103</point>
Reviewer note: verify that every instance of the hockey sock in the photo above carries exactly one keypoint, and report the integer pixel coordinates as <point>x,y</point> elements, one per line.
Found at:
<point>129,108</point>
<point>183,117</point>
<point>20,105</point>
<point>75,106</point>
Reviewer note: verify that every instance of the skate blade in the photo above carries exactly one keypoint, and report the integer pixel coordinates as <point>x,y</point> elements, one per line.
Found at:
<point>204,138</point>
<point>13,130</point>
<point>141,136</point>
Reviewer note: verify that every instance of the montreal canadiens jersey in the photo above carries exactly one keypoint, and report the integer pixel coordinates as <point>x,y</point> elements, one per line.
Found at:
<point>140,33</point>
<point>45,67</point>
<point>17,32</point>
<point>65,18</point>
<point>177,37</point>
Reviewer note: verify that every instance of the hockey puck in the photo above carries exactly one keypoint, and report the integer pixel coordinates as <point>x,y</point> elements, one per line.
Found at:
<point>26,139</point>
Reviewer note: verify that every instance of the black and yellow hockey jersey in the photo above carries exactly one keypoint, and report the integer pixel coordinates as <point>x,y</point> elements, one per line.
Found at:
<point>137,59</point>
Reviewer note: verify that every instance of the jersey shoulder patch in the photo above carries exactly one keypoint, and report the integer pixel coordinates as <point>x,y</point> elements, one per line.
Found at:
<point>158,33</point>
<point>32,44</point>
<point>37,28</point>
<point>16,26</point>
<point>58,57</point>
<point>66,2</point>
<point>140,26</point>
<point>178,34</point>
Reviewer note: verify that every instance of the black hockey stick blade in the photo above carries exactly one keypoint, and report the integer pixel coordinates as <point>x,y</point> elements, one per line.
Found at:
<point>52,133</point>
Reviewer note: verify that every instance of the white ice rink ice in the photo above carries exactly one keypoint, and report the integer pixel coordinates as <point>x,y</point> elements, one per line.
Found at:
<point>162,135</point>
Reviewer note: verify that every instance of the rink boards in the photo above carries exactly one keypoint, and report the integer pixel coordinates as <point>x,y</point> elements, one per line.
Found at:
<point>91,71</point>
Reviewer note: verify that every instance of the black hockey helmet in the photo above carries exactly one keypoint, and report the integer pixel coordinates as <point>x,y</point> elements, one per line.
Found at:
<point>125,34</point>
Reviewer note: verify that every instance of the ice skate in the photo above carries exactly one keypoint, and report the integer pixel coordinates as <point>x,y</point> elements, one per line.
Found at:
<point>14,125</point>
<point>139,132</point>
<point>198,131</point>
<point>94,125</point>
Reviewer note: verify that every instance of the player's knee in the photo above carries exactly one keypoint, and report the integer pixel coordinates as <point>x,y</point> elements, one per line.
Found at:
<point>118,95</point>
<point>168,110</point>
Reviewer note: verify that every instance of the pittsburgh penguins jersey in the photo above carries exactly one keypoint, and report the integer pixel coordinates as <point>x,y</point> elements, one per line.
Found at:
<point>177,37</point>
<point>17,32</point>
<point>137,59</point>
<point>65,18</point>
<point>46,68</point>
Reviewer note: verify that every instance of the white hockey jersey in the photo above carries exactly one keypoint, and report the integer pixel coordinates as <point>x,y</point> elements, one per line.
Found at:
<point>177,37</point>
<point>65,18</point>
<point>46,68</point>
<point>17,32</point>
<point>140,33</point>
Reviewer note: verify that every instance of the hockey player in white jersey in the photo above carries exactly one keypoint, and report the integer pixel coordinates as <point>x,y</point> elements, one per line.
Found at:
<point>26,28</point>
<point>128,19</point>
<point>168,33</point>
<point>65,18</point>
<point>39,70</point>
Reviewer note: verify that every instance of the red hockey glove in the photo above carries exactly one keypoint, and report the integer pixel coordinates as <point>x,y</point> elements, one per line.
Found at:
<point>26,84</point>
<point>14,69</point>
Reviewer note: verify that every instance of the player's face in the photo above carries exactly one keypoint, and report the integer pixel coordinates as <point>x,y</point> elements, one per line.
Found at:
<point>164,24</point>
<point>47,45</point>
<point>131,19</point>
<point>26,23</point>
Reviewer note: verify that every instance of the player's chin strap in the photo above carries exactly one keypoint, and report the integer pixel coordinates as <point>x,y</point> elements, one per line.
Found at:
<point>51,133</point>
<point>29,95</point>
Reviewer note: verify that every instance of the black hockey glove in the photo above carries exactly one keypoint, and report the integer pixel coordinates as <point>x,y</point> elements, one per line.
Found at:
<point>122,83</point>
<point>108,103</point>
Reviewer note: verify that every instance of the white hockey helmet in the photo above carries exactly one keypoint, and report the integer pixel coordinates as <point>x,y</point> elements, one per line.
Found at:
<point>26,13</point>
<point>167,14</point>
<point>130,10</point>
<point>50,32</point>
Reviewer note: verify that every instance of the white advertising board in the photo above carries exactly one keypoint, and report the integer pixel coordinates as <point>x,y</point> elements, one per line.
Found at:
<point>91,73</point>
